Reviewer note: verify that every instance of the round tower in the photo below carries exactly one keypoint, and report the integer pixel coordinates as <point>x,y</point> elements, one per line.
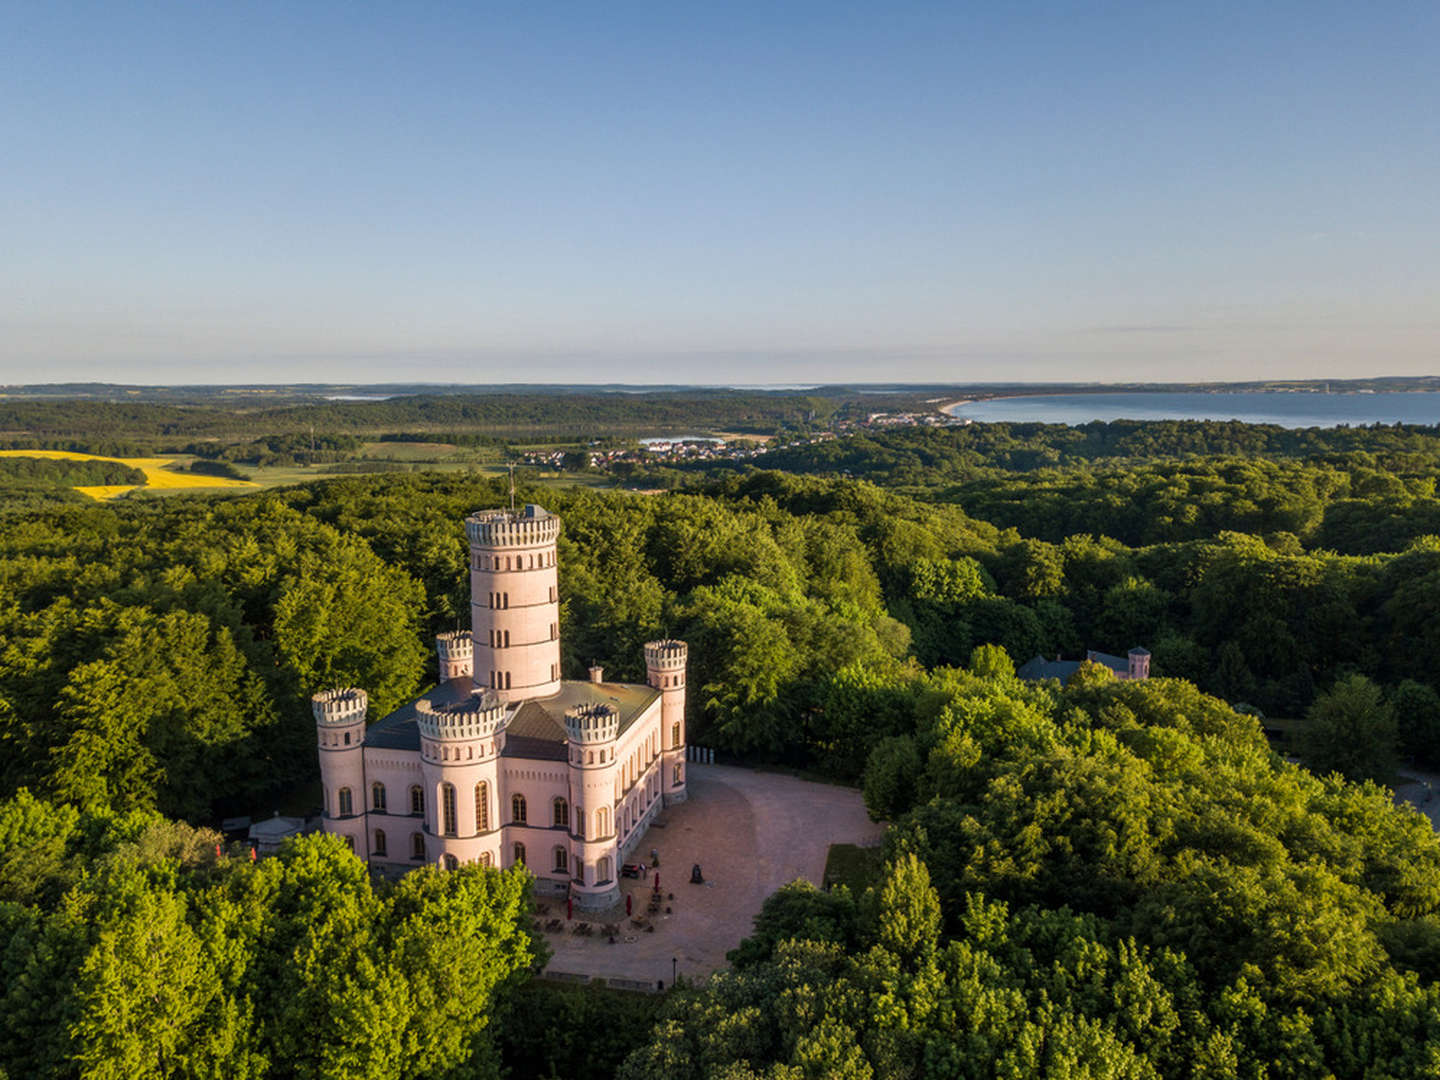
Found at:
<point>665,671</point>
<point>457,655</point>
<point>340,732</point>
<point>592,730</point>
<point>515,602</point>
<point>460,747</point>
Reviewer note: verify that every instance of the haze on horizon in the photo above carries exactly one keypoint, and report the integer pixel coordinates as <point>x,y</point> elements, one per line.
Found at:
<point>742,193</point>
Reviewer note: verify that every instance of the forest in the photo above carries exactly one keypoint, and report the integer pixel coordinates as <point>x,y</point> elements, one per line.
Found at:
<point>1099,879</point>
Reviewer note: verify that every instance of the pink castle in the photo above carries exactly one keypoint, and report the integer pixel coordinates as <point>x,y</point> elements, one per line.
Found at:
<point>505,762</point>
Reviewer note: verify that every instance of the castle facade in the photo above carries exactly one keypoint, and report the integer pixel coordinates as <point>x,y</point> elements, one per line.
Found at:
<point>504,761</point>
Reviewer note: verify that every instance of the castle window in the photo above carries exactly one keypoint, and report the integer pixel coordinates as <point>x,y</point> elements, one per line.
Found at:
<point>591,757</point>
<point>580,828</point>
<point>485,858</point>
<point>517,809</point>
<point>417,800</point>
<point>347,738</point>
<point>552,594</point>
<point>519,855</point>
<point>505,601</point>
<point>507,639</point>
<point>554,671</point>
<point>507,680</point>
<point>380,842</point>
<point>562,861</point>
<point>347,806</point>
<point>450,861</point>
<point>678,776</point>
<point>562,813</point>
<point>602,870</point>
<point>602,822</point>
<point>482,807</point>
<point>552,631</point>
<point>377,796</point>
<point>417,846</point>
<point>447,808</point>
<point>674,735</point>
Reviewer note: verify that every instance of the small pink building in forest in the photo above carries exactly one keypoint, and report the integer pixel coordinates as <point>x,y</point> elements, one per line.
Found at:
<point>505,761</point>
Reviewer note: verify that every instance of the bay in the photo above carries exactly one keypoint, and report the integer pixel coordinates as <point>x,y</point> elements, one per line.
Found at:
<point>1291,410</point>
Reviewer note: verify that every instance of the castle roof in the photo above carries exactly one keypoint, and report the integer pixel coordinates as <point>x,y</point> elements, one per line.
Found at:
<point>535,728</point>
<point>1037,667</point>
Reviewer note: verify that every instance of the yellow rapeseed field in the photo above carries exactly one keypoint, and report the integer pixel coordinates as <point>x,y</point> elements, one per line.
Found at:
<point>156,475</point>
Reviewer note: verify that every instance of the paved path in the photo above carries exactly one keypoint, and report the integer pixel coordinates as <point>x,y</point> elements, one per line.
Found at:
<point>751,832</point>
<point>1424,798</point>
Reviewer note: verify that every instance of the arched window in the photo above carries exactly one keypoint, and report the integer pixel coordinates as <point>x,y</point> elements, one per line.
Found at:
<point>447,809</point>
<point>678,774</point>
<point>562,861</point>
<point>380,842</point>
<point>602,870</point>
<point>482,807</point>
<point>377,796</point>
<point>580,824</point>
<point>450,861</point>
<point>485,858</point>
<point>347,806</point>
<point>674,734</point>
<point>347,738</point>
<point>602,822</point>
<point>517,809</point>
<point>417,846</point>
<point>519,852</point>
<point>417,800</point>
<point>562,813</point>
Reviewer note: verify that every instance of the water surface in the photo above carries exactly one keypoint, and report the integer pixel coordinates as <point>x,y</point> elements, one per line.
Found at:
<point>1292,410</point>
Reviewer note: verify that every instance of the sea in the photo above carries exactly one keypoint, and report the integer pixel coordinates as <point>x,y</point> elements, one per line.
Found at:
<point>1291,410</point>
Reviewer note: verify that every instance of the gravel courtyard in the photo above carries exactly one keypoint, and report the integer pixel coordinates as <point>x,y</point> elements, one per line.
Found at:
<point>751,832</point>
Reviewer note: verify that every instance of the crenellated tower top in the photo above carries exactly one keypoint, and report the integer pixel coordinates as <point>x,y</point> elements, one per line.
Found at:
<point>594,722</point>
<point>527,527</point>
<point>343,706</point>
<point>479,716</point>
<point>667,655</point>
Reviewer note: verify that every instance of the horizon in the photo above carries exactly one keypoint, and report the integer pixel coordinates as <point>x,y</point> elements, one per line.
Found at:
<point>803,195</point>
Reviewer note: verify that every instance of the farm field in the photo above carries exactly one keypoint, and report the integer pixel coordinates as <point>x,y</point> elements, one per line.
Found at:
<point>157,476</point>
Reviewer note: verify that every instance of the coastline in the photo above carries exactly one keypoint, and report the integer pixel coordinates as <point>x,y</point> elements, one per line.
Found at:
<point>1302,417</point>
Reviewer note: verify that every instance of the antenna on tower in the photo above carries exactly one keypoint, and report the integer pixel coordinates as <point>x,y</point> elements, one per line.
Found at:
<point>512,486</point>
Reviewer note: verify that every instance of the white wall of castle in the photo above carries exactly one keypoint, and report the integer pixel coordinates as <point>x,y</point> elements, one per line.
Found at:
<point>608,794</point>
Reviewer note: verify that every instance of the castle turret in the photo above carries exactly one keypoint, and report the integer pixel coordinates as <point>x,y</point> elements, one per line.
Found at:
<point>457,654</point>
<point>340,732</point>
<point>591,731</point>
<point>515,602</point>
<point>1139,663</point>
<point>665,671</point>
<point>460,745</point>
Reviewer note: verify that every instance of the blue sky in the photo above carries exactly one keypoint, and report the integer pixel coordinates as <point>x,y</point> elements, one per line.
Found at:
<point>721,193</point>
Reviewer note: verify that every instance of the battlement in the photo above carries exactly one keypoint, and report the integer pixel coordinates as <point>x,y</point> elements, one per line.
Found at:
<point>592,723</point>
<point>455,645</point>
<point>343,706</point>
<point>479,716</point>
<point>525,527</point>
<point>668,655</point>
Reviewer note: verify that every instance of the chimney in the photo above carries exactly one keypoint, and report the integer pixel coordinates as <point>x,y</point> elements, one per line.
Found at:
<point>597,673</point>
